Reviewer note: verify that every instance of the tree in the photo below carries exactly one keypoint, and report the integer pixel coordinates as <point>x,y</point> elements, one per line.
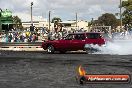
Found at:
<point>56,19</point>
<point>127,14</point>
<point>108,19</point>
<point>17,22</point>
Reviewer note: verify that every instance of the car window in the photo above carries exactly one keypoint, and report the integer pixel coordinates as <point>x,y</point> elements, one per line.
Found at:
<point>93,35</point>
<point>80,36</point>
<point>70,37</point>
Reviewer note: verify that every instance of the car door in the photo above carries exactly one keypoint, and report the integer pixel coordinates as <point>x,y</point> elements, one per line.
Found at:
<point>78,42</point>
<point>64,44</point>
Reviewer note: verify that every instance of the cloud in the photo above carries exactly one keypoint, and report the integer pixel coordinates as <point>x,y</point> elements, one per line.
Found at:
<point>27,17</point>
<point>65,9</point>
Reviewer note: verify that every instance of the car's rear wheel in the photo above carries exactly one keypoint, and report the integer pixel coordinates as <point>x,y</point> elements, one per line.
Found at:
<point>87,48</point>
<point>50,49</point>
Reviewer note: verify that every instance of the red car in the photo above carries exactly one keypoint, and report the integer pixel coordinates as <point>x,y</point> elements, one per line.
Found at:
<point>73,42</point>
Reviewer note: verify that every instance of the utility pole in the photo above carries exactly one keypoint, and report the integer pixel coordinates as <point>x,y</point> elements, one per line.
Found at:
<point>76,21</point>
<point>49,20</point>
<point>120,14</point>
<point>31,14</point>
<point>92,21</point>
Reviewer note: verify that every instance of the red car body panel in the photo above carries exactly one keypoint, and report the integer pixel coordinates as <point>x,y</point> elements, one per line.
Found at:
<point>75,44</point>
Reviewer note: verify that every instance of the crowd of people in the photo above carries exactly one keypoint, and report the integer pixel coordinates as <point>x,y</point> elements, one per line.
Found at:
<point>29,36</point>
<point>43,35</point>
<point>19,37</point>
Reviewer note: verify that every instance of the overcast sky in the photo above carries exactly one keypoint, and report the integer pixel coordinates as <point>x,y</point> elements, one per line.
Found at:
<point>65,9</point>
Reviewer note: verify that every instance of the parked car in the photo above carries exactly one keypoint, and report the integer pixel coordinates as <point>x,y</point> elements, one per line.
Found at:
<point>73,42</point>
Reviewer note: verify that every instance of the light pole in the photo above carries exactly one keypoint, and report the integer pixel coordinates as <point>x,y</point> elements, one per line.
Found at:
<point>120,14</point>
<point>31,14</point>
<point>49,20</point>
<point>76,21</point>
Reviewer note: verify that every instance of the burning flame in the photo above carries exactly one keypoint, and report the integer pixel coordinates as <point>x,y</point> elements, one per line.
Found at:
<point>82,72</point>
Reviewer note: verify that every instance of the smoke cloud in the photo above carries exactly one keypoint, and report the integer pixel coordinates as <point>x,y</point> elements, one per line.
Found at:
<point>120,45</point>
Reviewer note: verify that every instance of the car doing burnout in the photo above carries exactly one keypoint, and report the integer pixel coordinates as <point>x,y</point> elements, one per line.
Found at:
<point>73,42</point>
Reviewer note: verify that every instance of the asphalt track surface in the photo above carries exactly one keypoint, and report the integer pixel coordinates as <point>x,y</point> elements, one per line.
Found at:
<point>41,70</point>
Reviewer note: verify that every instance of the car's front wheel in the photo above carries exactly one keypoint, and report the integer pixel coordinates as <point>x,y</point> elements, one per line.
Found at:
<point>50,49</point>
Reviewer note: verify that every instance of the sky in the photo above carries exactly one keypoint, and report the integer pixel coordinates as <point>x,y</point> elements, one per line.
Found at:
<point>65,9</point>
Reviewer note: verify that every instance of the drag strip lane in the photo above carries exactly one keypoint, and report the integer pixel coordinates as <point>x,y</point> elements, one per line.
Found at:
<point>38,70</point>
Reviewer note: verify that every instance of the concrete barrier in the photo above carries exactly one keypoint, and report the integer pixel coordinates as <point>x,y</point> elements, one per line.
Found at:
<point>22,49</point>
<point>21,46</point>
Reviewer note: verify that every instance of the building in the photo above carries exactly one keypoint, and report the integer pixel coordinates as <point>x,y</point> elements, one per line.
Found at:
<point>37,24</point>
<point>73,25</point>
<point>6,21</point>
<point>68,25</point>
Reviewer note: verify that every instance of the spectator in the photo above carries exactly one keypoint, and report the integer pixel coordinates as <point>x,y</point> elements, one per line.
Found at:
<point>34,37</point>
<point>9,37</point>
